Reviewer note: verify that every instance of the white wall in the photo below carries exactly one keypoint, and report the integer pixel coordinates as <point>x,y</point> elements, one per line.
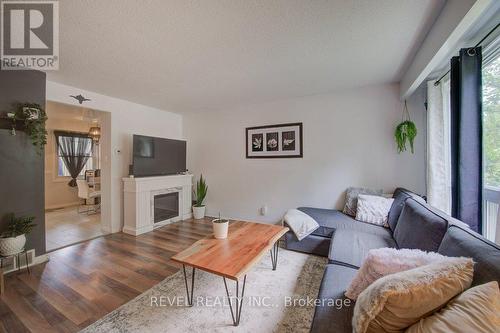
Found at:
<point>125,118</point>
<point>348,141</point>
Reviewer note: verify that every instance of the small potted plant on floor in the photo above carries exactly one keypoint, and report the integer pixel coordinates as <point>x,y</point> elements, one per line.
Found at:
<point>200,194</point>
<point>12,240</point>
<point>220,227</point>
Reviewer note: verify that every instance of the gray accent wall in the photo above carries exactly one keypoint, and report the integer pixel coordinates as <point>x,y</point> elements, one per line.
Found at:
<point>21,167</point>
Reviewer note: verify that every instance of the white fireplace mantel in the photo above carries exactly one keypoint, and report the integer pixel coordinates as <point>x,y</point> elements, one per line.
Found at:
<point>138,194</point>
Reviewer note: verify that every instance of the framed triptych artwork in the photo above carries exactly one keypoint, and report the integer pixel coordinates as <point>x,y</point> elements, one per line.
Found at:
<point>274,141</point>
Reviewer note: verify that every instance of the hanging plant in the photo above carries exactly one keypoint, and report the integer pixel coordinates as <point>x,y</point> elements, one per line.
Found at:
<point>34,117</point>
<point>405,132</point>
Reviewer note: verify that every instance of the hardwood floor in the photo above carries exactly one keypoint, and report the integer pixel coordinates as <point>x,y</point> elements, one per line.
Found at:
<point>66,226</point>
<point>84,282</point>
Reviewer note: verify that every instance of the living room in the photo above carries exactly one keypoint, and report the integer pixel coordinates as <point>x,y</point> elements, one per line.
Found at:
<point>272,166</point>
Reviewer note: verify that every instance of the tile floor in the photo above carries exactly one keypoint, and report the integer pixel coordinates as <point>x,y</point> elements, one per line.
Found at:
<point>66,226</point>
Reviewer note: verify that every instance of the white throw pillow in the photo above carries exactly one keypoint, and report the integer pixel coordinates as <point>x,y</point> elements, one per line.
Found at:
<point>301,224</point>
<point>351,198</point>
<point>385,261</point>
<point>373,209</point>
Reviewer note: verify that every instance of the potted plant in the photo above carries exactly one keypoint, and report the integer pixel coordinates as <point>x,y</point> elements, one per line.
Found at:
<point>12,240</point>
<point>405,131</point>
<point>220,227</point>
<point>200,194</point>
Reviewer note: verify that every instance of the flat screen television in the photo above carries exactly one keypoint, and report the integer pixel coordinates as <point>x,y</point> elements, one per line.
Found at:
<point>158,156</point>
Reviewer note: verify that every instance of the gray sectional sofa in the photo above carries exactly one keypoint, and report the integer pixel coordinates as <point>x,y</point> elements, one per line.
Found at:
<point>412,224</point>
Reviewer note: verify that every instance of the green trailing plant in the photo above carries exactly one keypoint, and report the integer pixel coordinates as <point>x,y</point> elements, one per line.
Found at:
<point>18,226</point>
<point>405,132</point>
<point>201,191</point>
<point>33,117</point>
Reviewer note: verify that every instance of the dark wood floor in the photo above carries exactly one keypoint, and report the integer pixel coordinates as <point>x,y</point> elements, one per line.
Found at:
<point>84,282</point>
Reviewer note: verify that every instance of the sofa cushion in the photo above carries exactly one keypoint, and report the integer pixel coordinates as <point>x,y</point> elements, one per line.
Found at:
<point>463,242</point>
<point>330,220</point>
<point>420,226</point>
<point>312,244</point>
<point>324,232</point>
<point>400,195</point>
<point>336,318</point>
<point>350,247</point>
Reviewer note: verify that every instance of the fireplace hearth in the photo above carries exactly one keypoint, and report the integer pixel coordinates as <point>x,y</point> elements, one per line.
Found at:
<point>166,206</point>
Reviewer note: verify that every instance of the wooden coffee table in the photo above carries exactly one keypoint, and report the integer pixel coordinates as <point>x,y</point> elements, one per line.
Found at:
<point>233,257</point>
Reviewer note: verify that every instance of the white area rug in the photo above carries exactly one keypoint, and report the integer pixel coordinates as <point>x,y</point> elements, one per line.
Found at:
<point>297,277</point>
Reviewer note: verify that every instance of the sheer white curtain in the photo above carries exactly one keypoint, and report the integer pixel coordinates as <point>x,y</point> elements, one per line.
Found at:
<point>438,145</point>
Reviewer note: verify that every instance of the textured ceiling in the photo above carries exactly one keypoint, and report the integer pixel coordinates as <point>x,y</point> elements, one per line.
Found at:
<point>210,54</point>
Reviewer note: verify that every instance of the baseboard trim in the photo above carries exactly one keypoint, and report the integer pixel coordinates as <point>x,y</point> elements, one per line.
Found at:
<point>279,222</point>
<point>36,261</point>
<point>138,231</point>
<point>56,207</point>
<point>40,259</point>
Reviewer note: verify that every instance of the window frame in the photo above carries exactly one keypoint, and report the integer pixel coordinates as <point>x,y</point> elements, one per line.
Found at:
<point>491,53</point>
<point>57,177</point>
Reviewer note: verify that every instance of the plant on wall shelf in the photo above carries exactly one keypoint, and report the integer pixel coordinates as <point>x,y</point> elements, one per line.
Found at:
<point>405,132</point>
<point>33,117</point>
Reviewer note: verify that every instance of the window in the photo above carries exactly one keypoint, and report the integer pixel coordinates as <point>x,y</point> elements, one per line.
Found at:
<point>491,147</point>
<point>74,145</point>
<point>491,123</point>
<point>62,171</point>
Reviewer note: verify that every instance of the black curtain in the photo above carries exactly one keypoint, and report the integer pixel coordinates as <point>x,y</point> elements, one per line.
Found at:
<point>75,149</point>
<point>466,137</point>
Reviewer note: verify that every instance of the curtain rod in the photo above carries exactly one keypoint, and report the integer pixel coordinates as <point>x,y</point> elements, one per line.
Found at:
<point>478,43</point>
<point>71,133</point>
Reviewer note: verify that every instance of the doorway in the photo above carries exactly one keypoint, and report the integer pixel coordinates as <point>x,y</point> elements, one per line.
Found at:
<point>73,164</point>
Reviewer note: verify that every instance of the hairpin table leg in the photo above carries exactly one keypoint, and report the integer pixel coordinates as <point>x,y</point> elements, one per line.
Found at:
<point>236,313</point>
<point>274,255</point>
<point>189,294</point>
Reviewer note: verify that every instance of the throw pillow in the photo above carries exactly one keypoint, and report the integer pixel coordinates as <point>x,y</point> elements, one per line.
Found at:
<point>373,209</point>
<point>301,224</point>
<point>474,310</point>
<point>351,198</point>
<point>385,261</point>
<point>397,301</point>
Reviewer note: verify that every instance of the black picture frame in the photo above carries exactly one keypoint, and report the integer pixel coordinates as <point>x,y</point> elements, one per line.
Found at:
<point>271,131</point>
